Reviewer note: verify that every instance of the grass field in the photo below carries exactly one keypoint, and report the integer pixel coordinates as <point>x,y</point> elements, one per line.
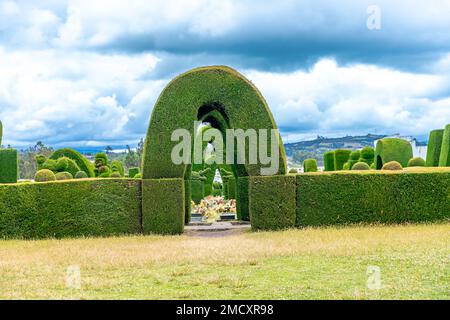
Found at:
<point>326,263</point>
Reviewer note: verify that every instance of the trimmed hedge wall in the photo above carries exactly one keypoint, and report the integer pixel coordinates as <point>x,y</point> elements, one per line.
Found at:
<point>328,161</point>
<point>71,208</point>
<point>81,161</point>
<point>9,168</point>
<point>272,202</point>
<point>232,190</point>
<point>444,159</point>
<point>434,148</point>
<point>385,197</point>
<point>392,149</point>
<point>163,206</point>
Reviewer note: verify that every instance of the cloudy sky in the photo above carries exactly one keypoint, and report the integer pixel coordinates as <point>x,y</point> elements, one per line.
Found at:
<point>87,73</point>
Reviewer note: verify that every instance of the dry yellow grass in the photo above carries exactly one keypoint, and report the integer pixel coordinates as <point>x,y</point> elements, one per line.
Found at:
<point>309,263</point>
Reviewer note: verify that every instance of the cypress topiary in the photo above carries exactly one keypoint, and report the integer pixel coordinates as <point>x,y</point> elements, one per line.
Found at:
<point>132,172</point>
<point>310,165</point>
<point>83,163</point>
<point>444,158</point>
<point>341,156</point>
<point>9,168</point>
<point>392,165</point>
<point>367,155</point>
<point>117,166</point>
<point>44,175</point>
<point>102,170</point>
<point>328,161</point>
<point>81,175</point>
<point>360,166</point>
<point>434,148</point>
<point>416,162</point>
<point>63,176</point>
<point>392,149</point>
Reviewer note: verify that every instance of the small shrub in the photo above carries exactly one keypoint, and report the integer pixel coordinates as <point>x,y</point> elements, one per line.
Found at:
<point>293,170</point>
<point>310,165</point>
<point>392,165</point>
<point>360,166</point>
<point>115,174</point>
<point>117,166</point>
<point>138,176</point>
<point>132,172</point>
<point>367,155</point>
<point>341,156</point>
<point>346,166</point>
<point>355,155</point>
<point>328,161</point>
<point>81,175</point>
<point>44,175</point>
<point>63,176</point>
<point>416,162</point>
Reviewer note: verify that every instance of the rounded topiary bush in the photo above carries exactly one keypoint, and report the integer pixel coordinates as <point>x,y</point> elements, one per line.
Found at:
<point>81,175</point>
<point>44,175</point>
<point>360,166</point>
<point>81,161</point>
<point>293,170</point>
<point>328,161</point>
<point>346,166</point>
<point>63,176</point>
<point>392,165</point>
<point>138,176</point>
<point>132,172</point>
<point>310,165</point>
<point>367,155</point>
<point>416,162</point>
<point>115,174</point>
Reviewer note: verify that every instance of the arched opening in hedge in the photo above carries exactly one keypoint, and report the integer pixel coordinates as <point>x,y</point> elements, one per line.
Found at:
<point>220,96</point>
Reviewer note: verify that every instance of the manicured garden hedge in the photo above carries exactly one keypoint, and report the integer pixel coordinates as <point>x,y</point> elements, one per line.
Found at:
<point>392,149</point>
<point>9,170</point>
<point>232,190</point>
<point>242,204</point>
<point>272,202</point>
<point>163,206</point>
<point>341,156</point>
<point>434,148</point>
<point>386,197</point>
<point>70,208</point>
<point>444,159</point>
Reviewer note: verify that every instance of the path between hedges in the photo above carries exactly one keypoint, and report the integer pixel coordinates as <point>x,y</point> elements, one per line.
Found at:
<point>216,229</point>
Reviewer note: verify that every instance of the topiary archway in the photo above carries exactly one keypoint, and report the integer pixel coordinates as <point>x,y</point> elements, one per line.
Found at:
<point>224,98</point>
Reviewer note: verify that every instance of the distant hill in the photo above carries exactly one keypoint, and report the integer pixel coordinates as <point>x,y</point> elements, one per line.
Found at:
<point>298,151</point>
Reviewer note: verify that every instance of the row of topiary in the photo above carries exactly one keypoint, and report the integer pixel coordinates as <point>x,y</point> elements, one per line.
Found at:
<point>67,164</point>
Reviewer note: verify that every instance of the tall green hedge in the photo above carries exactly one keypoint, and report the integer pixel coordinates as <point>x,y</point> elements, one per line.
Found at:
<point>81,161</point>
<point>70,208</point>
<point>328,161</point>
<point>9,170</point>
<point>163,206</point>
<point>242,199</point>
<point>392,149</point>
<point>272,202</point>
<point>444,159</point>
<point>232,189</point>
<point>369,197</point>
<point>341,156</point>
<point>434,148</point>
<point>197,190</point>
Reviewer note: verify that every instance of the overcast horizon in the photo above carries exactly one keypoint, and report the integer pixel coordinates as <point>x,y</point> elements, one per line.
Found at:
<point>87,74</point>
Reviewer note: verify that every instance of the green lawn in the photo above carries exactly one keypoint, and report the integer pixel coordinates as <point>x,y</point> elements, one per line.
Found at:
<point>325,263</point>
